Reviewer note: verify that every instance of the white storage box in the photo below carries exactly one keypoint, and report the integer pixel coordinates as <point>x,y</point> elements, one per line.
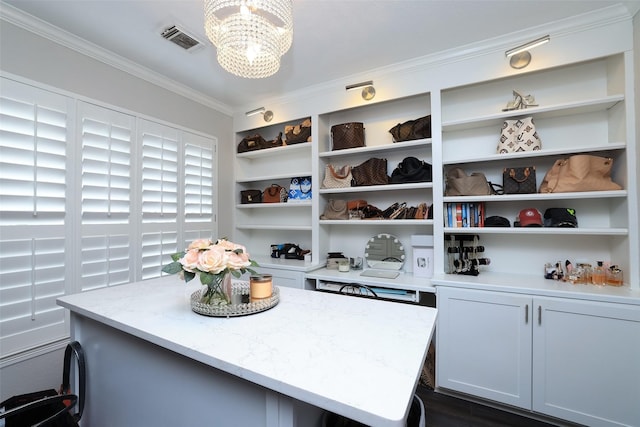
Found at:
<point>422,246</point>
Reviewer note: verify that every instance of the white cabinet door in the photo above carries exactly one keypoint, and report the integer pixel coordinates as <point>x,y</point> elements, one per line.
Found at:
<point>484,344</point>
<point>586,361</point>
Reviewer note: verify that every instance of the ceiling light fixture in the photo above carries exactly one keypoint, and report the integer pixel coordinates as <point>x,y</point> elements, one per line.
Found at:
<point>267,115</point>
<point>250,35</point>
<point>520,56</point>
<point>368,91</point>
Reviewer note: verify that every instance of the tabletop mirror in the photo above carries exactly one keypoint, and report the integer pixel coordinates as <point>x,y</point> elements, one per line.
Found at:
<point>384,252</point>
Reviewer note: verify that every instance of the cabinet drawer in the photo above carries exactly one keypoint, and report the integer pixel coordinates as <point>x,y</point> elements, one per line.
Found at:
<point>285,278</point>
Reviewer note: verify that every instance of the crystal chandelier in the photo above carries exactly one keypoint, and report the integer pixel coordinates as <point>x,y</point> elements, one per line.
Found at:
<point>251,35</point>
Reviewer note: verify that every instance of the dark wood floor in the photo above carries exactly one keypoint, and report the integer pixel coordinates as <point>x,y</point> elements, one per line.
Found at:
<point>447,411</point>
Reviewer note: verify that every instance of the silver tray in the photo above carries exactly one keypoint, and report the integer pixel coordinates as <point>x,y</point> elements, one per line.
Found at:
<point>233,310</point>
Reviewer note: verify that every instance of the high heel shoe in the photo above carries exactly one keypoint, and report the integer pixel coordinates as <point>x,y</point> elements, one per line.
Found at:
<point>513,105</point>
<point>520,101</point>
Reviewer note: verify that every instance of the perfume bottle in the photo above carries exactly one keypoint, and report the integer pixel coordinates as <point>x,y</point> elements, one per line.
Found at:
<point>598,275</point>
<point>614,276</point>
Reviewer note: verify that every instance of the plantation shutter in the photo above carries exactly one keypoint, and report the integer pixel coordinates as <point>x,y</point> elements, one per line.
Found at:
<point>198,188</point>
<point>34,135</point>
<point>106,140</point>
<point>159,197</point>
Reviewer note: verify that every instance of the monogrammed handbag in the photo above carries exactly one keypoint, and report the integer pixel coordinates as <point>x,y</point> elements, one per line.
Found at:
<point>347,135</point>
<point>250,196</point>
<point>298,133</point>
<point>519,135</point>
<point>412,129</point>
<point>337,178</point>
<point>519,180</point>
<point>300,190</point>
<point>370,172</point>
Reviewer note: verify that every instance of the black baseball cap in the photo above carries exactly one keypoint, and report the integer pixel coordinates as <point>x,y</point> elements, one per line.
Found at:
<point>560,217</point>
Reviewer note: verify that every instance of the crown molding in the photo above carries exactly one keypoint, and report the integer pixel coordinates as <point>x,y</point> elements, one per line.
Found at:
<point>50,32</point>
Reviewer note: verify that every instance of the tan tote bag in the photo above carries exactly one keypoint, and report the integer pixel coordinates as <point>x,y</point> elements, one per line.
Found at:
<point>582,172</point>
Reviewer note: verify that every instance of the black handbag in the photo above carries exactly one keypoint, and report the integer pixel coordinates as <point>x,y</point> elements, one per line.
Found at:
<point>48,407</point>
<point>411,169</point>
<point>519,180</point>
<point>250,196</point>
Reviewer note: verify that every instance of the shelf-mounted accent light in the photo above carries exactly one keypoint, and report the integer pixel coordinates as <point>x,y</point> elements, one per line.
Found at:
<point>520,57</point>
<point>368,91</point>
<point>267,115</point>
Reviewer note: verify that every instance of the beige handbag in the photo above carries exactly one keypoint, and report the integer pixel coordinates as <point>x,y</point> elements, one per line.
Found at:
<point>519,135</point>
<point>335,209</point>
<point>461,184</point>
<point>340,178</point>
<point>582,172</point>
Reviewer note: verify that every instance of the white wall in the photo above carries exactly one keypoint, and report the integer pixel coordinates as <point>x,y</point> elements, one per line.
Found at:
<point>30,56</point>
<point>636,72</point>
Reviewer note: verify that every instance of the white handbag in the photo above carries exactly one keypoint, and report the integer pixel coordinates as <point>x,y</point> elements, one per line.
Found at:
<point>519,135</point>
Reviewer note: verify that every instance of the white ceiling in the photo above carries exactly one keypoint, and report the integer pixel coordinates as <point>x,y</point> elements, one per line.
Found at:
<point>332,38</point>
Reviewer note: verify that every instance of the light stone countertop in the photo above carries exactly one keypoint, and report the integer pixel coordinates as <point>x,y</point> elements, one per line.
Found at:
<point>538,286</point>
<point>357,357</point>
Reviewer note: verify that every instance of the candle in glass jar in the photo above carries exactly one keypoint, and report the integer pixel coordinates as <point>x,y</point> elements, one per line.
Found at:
<point>260,287</point>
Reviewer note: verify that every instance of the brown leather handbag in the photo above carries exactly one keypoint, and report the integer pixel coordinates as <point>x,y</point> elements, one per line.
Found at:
<point>273,194</point>
<point>370,172</point>
<point>582,172</point>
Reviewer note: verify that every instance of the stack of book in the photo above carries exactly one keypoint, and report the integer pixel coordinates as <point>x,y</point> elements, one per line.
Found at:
<point>463,215</point>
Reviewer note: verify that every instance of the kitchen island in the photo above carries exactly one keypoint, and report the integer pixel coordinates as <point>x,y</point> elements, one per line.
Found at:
<point>153,361</point>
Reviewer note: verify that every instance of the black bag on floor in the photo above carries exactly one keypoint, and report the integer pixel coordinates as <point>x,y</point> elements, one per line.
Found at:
<point>48,408</point>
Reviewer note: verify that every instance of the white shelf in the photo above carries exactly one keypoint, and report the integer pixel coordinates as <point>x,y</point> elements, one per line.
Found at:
<point>541,153</point>
<point>552,231</point>
<point>538,196</point>
<point>274,227</point>
<point>275,151</point>
<point>273,177</point>
<point>376,222</point>
<point>558,110</point>
<point>407,145</point>
<point>273,205</point>
<point>376,188</point>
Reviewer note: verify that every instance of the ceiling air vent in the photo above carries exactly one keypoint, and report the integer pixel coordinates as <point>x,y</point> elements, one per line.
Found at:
<point>182,39</point>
